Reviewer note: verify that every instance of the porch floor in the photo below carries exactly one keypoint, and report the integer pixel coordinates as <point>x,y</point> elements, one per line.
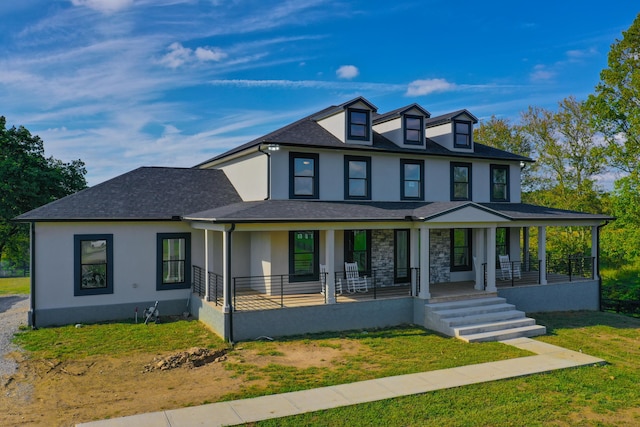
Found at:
<point>453,291</point>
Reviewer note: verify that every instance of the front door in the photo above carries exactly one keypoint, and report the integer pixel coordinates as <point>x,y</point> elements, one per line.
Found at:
<point>401,262</point>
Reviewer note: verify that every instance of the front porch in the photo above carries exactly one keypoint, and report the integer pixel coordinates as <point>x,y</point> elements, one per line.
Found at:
<point>252,293</point>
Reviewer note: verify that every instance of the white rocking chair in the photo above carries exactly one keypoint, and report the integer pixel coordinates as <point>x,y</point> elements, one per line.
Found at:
<point>323,281</point>
<point>507,269</point>
<point>355,282</point>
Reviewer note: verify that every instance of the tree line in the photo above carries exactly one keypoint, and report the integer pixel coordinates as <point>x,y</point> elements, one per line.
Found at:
<point>578,144</point>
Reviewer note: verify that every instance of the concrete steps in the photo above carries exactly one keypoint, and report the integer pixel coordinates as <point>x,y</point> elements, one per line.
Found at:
<point>482,319</point>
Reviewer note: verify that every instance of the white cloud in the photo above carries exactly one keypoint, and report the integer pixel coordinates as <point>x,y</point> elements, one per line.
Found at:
<point>104,6</point>
<point>347,72</point>
<point>579,54</point>
<point>427,86</point>
<point>210,54</point>
<point>179,55</point>
<point>541,73</point>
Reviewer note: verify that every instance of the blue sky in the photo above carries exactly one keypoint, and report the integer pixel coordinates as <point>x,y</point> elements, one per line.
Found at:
<point>128,83</point>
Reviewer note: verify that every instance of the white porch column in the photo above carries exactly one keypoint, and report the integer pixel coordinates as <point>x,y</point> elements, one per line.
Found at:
<point>425,271</point>
<point>542,254</point>
<point>491,259</point>
<point>206,264</point>
<point>478,257</point>
<point>329,259</point>
<point>594,251</point>
<point>525,249</point>
<point>414,257</point>
<point>226,273</point>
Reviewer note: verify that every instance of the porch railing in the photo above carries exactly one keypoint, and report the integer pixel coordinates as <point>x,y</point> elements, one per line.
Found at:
<point>215,285</point>
<point>574,268</point>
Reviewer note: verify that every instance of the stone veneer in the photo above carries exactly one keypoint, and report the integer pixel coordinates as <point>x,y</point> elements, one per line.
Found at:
<point>440,256</point>
<point>382,256</point>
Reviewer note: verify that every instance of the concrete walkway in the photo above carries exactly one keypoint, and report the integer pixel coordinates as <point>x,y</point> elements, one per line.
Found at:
<point>549,357</point>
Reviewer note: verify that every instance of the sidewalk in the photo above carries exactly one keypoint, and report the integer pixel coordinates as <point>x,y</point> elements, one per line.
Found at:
<point>549,357</point>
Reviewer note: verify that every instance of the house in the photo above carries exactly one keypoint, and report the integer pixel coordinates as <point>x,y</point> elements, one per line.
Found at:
<point>258,240</point>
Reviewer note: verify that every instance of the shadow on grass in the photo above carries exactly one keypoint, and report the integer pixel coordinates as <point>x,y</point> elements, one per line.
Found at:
<point>405,330</point>
<point>583,319</point>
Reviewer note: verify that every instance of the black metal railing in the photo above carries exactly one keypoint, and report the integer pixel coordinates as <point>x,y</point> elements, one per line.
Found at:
<point>268,292</point>
<point>376,283</point>
<point>573,269</point>
<point>215,285</point>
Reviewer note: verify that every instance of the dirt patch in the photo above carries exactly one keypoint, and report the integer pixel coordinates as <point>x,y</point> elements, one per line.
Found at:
<point>50,392</point>
<point>192,358</point>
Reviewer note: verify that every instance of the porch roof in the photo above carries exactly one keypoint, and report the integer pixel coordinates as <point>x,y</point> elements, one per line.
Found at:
<point>359,211</point>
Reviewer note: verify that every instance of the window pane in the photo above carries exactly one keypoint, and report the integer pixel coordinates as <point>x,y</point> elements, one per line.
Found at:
<point>358,130</point>
<point>462,128</point>
<point>303,167</point>
<point>93,260</point>
<point>357,169</point>
<point>460,174</point>
<point>462,139</point>
<point>411,189</point>
<point>402,254</point>
<point>461,253</point>
<point>413,135</point>
<point>499,192</point>
<point>303,252</point>
<point>94,252</point>
<point>94,276</point>
<point>173,260</point>
<point>412,123</point>
<point>500,176</point>
<point>412,172</point>
<point>173,249</point>
<point>358,187</point>
<point>358,118</point>
<point>303,186</point>
<point>173,272</point>
<point>461,191</point>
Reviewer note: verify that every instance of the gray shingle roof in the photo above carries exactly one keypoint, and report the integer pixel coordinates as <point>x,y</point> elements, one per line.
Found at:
<point>306,132</point>
<point>444,118</point>
<point>147,193</point>
<point>379,118</point>
<point>310,211</point>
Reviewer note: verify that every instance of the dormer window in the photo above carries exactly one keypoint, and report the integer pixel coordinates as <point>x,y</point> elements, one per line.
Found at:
<point>462,134</point>
<point>359,124</point>
<point>413,130</point>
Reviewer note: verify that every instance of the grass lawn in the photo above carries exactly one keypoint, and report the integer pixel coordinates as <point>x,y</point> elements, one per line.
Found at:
<point>598,395</point>
<point>601,396</point>
<point>14,285</point>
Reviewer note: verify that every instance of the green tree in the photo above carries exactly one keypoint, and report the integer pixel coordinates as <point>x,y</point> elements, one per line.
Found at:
<point>568,156</point>
<point>615,107</point>
<point>29,180</point>
<point>616,103</point>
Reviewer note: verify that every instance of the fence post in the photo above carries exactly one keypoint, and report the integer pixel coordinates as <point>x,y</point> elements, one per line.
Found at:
<point>281,290</point>
<point>570,270</point>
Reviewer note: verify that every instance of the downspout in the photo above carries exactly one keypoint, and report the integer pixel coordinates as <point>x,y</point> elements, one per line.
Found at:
<point>32,273</point>
<point>228,284</point>
<point>268,172</point>
<point>598,264</point>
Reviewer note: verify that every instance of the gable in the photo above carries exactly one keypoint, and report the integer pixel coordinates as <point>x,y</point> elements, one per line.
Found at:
<point>468,213</point>
<point>341,122</point>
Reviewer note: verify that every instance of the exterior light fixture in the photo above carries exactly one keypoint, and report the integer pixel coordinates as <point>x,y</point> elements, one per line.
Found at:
<point>273,147</point>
